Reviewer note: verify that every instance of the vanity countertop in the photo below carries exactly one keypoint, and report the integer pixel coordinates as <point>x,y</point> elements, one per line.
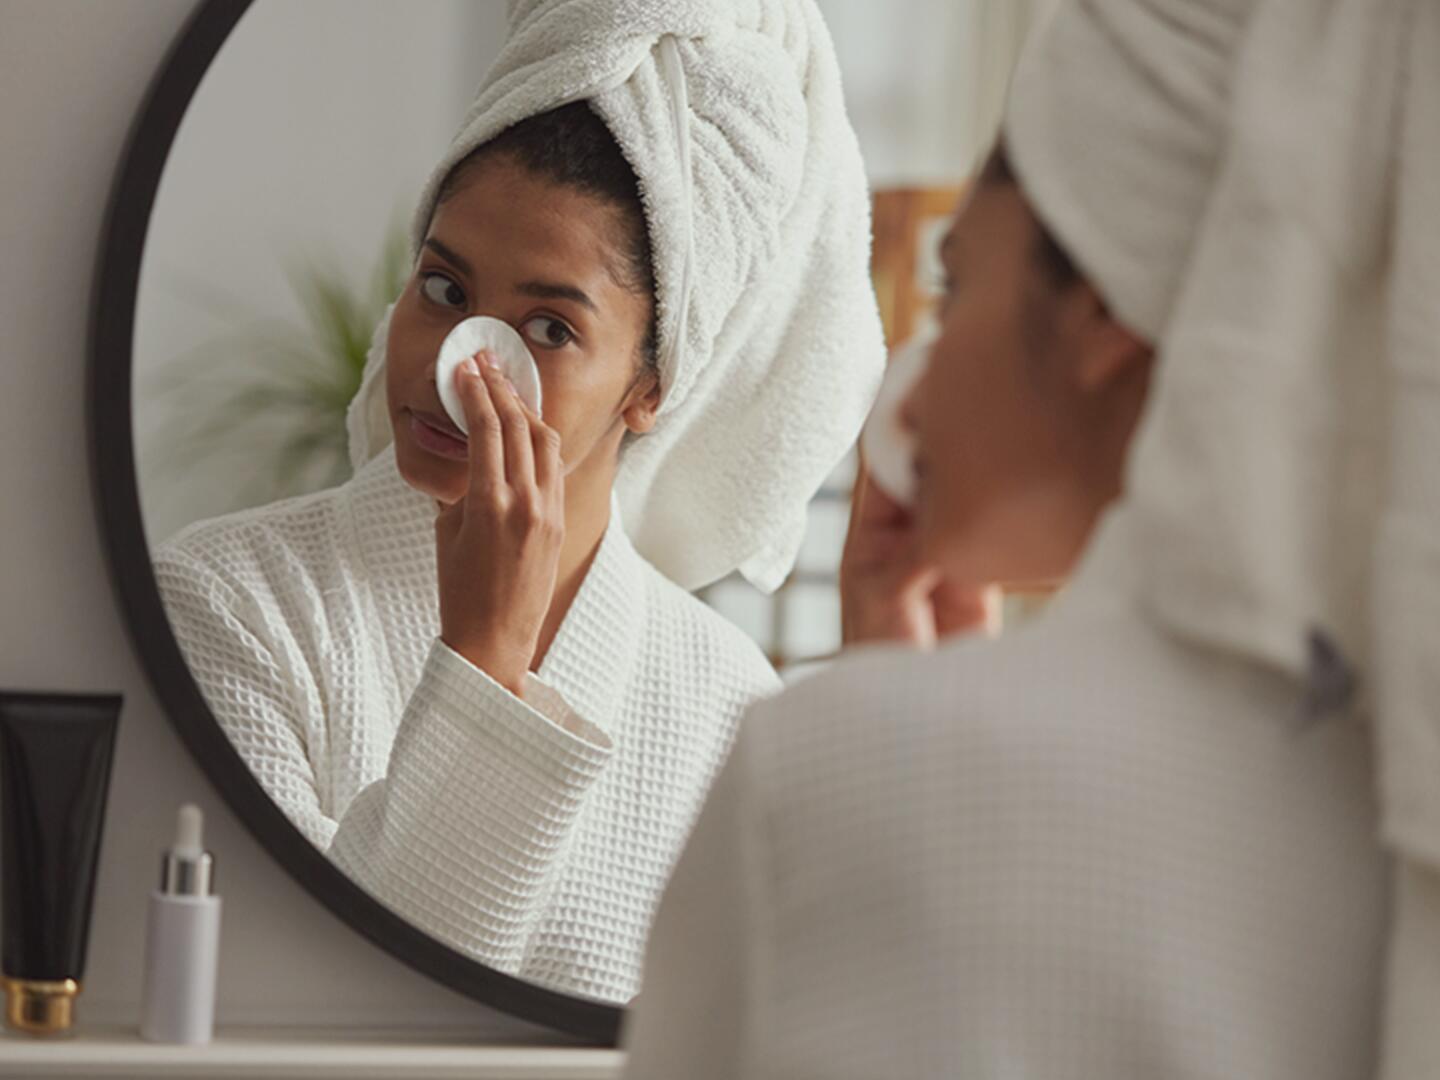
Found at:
<point>282,1053</point>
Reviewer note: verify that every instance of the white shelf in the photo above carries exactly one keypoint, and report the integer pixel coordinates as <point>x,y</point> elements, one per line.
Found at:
<point>278,1054</point>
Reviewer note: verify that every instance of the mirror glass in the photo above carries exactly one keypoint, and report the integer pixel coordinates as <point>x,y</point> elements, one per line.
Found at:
<point>303,587</point>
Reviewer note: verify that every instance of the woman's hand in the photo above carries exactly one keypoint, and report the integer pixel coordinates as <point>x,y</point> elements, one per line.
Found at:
<point>887,592</point>
<point>498,548</point>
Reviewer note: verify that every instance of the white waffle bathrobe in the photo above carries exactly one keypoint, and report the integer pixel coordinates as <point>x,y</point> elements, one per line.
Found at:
<point>1081,852</point>
<point>1147,838</point>
<point>312,627</point>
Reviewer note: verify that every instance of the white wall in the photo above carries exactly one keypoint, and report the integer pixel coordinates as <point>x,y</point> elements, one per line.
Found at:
<point>307,141</point>
<point>904,71</point>
<point>72,74</point>
<point>925,80</point>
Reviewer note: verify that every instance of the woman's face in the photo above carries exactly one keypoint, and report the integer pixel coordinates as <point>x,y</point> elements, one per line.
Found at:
<point>547,259</point>
<point>1026,408</point>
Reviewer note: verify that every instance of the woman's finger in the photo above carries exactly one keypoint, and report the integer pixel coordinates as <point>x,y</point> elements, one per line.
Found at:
<point>524,406</point>
<point>965,609</point>
<point>514,427</point>
<point>873,515</point>
<point>877,507</point>
<point>549,468</point>
<point>545,443</point>
<point>487,449</point>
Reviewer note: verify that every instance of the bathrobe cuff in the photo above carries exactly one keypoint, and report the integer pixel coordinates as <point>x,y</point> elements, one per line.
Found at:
<point>461,685</point>
<point>466,830</point>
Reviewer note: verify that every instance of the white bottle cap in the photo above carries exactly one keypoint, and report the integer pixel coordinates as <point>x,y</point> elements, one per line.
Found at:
<point>189,831</point>
<point>187,869</point>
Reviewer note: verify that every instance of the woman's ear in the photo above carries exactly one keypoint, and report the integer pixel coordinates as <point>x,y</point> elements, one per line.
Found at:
<point>1109,351</point>
<point>643,404</point>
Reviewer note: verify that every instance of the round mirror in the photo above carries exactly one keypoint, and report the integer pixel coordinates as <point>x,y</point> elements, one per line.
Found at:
<point>283,513</point>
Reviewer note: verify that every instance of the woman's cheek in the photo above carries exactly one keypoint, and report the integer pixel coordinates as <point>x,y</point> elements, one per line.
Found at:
<point>578,403</point>
<point>405,352</point>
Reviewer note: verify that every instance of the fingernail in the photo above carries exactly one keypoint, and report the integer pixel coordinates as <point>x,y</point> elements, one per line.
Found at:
<point>489,359</point>
<point>469,367</point>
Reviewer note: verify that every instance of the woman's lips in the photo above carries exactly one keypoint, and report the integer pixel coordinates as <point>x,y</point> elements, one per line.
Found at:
<point>437,435</point>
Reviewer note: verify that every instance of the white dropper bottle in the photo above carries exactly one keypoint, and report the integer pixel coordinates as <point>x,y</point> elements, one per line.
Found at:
<point>183,941</point>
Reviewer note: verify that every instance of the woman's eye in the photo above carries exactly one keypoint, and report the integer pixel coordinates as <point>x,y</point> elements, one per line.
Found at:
<point>439,289</point>
<point>547,333</point>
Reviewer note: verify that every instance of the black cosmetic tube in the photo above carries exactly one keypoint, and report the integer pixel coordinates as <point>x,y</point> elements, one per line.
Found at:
<point>55,754</point>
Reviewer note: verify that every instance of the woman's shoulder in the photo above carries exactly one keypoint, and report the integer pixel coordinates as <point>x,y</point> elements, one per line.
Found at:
<point>302,527</point>
<point>291,572</point>
<point>301,555</point>
<point>306,533</point>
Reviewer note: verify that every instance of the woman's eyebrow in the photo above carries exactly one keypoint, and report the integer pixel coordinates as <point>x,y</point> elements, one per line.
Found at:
<point>449,255</point>
<point>551,290</point>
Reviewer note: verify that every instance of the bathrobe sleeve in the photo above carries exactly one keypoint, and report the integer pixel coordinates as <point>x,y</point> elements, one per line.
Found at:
<point>469,822</point>
<point>689,1019</point>
<point>474,812</point>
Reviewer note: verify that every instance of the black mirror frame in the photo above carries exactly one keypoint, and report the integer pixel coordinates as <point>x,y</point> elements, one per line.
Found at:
<point>116,494</point>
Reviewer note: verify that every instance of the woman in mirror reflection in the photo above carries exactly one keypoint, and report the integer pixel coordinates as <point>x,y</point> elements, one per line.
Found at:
<point>1179,825</point>
<point>474,673</point>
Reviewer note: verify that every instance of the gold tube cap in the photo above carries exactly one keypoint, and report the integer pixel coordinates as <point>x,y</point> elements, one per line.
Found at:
<point>40,1006</point>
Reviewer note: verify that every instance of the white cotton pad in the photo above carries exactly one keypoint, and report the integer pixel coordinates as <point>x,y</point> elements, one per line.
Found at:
<point>467,339</point>
<point>888,447</point>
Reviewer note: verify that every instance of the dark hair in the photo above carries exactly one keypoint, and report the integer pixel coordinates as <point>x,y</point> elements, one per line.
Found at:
<point>572,146</point>
<point>1054,261</point>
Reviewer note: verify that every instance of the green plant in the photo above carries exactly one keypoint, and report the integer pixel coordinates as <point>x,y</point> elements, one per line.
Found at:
<point>264,404</point>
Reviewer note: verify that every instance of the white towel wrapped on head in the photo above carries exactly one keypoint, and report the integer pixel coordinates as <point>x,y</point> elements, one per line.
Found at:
<point>1255,185</point>
<point>771,350</point>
